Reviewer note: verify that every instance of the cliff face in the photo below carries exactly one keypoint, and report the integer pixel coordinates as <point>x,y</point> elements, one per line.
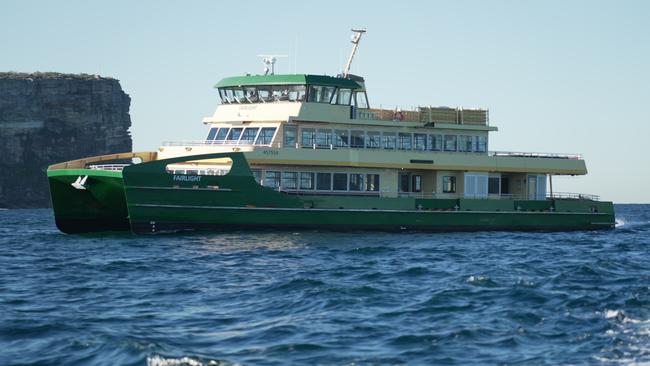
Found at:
<point>47,118</point>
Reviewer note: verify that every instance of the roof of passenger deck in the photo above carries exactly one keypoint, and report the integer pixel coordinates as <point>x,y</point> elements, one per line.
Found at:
<point>289,79</point>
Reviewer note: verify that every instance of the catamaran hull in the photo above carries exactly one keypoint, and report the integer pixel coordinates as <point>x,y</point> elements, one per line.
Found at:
<point>177,218</point>
<point>146,199</point>
<point>97,206</point>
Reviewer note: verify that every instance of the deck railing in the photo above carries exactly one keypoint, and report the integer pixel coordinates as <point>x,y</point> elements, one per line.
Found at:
<point>536,155</point>
<point>430,195</point>
<point>216,142</point>
<point>111,167</point>
<point>519,154</point>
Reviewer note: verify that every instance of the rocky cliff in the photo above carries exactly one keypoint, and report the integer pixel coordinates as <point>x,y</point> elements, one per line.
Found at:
<point>47,118</point>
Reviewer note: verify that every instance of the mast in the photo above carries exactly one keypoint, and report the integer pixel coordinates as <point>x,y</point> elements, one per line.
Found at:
<point>355,41</point>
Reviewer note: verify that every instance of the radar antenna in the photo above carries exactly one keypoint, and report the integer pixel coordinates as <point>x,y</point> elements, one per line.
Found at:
<point>269,63</point>
<point>355,41</point>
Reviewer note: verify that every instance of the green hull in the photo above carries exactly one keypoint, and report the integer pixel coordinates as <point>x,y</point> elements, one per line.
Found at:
<point>99,207</point>
<point>147,199</point>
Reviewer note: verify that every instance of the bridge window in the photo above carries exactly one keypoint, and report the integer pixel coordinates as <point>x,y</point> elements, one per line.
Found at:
<point>251,95</point>
<point>320,94</point>
<point>361,100</point>
<point>297,93</point>
<point>266,136</point>
<point>264,93</point>
<point>280,93</point>
<point>240,96</point>
<point>344,96</point>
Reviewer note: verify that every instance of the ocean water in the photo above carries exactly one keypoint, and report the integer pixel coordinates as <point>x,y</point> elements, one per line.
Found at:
<point>323,298</point>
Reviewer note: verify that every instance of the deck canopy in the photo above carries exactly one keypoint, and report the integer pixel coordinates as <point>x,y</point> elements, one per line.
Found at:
<point>291,88</point>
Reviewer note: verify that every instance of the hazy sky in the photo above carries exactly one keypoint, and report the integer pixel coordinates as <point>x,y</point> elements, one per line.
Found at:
<point>557,76</point>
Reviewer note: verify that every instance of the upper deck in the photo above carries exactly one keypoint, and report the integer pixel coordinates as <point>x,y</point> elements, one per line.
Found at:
<point>321,98</point>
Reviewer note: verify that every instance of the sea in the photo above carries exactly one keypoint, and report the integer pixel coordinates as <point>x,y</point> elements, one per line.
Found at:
<point>324,298</point>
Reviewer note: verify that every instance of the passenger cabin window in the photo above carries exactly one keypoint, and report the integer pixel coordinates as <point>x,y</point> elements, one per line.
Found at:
<point>450,143</point>
<point>435,142</point>
<point>341,138</point>
<point>266,136</point>
<point>289,139</point>
<point>323,138</point>
<point>324,181</point>
<point>404,141</point>
<point>307,137</point>
<point>248,137</point>
<point>357,139</point>
<point>420,141</point>
<point>272,179</point>
<point>306,180</point>
<point>212,134</point>
<point>340,182</point>
<point>290,180</point>
<point>234,134</point>
<point>373,140</point>
<point>221,135</point>
<point>448,184</point>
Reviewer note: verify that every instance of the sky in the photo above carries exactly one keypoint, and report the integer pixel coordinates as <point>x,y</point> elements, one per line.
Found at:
<point>557,76</point>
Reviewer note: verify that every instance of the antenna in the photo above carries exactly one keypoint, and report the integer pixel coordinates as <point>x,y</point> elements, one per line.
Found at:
<point>269,63</point>
<point>355,41</point>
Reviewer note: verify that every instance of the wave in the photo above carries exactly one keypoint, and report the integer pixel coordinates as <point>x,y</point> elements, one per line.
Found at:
<point>157,360</point>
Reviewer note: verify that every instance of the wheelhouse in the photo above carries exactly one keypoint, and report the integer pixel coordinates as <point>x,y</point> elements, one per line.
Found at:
<point>293,88</point>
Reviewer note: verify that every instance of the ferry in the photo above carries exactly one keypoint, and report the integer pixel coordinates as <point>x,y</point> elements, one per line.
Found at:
<point>304,151</point>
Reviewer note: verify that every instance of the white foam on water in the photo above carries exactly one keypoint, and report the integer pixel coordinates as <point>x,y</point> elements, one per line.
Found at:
<point>634,349</point>
<point>619,222</point>
<point>157,360</point>
<point>609,314</point>
<point>477,279</point>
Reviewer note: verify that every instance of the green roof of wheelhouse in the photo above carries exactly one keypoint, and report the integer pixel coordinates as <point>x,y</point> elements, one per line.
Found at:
<point>288,79</point>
